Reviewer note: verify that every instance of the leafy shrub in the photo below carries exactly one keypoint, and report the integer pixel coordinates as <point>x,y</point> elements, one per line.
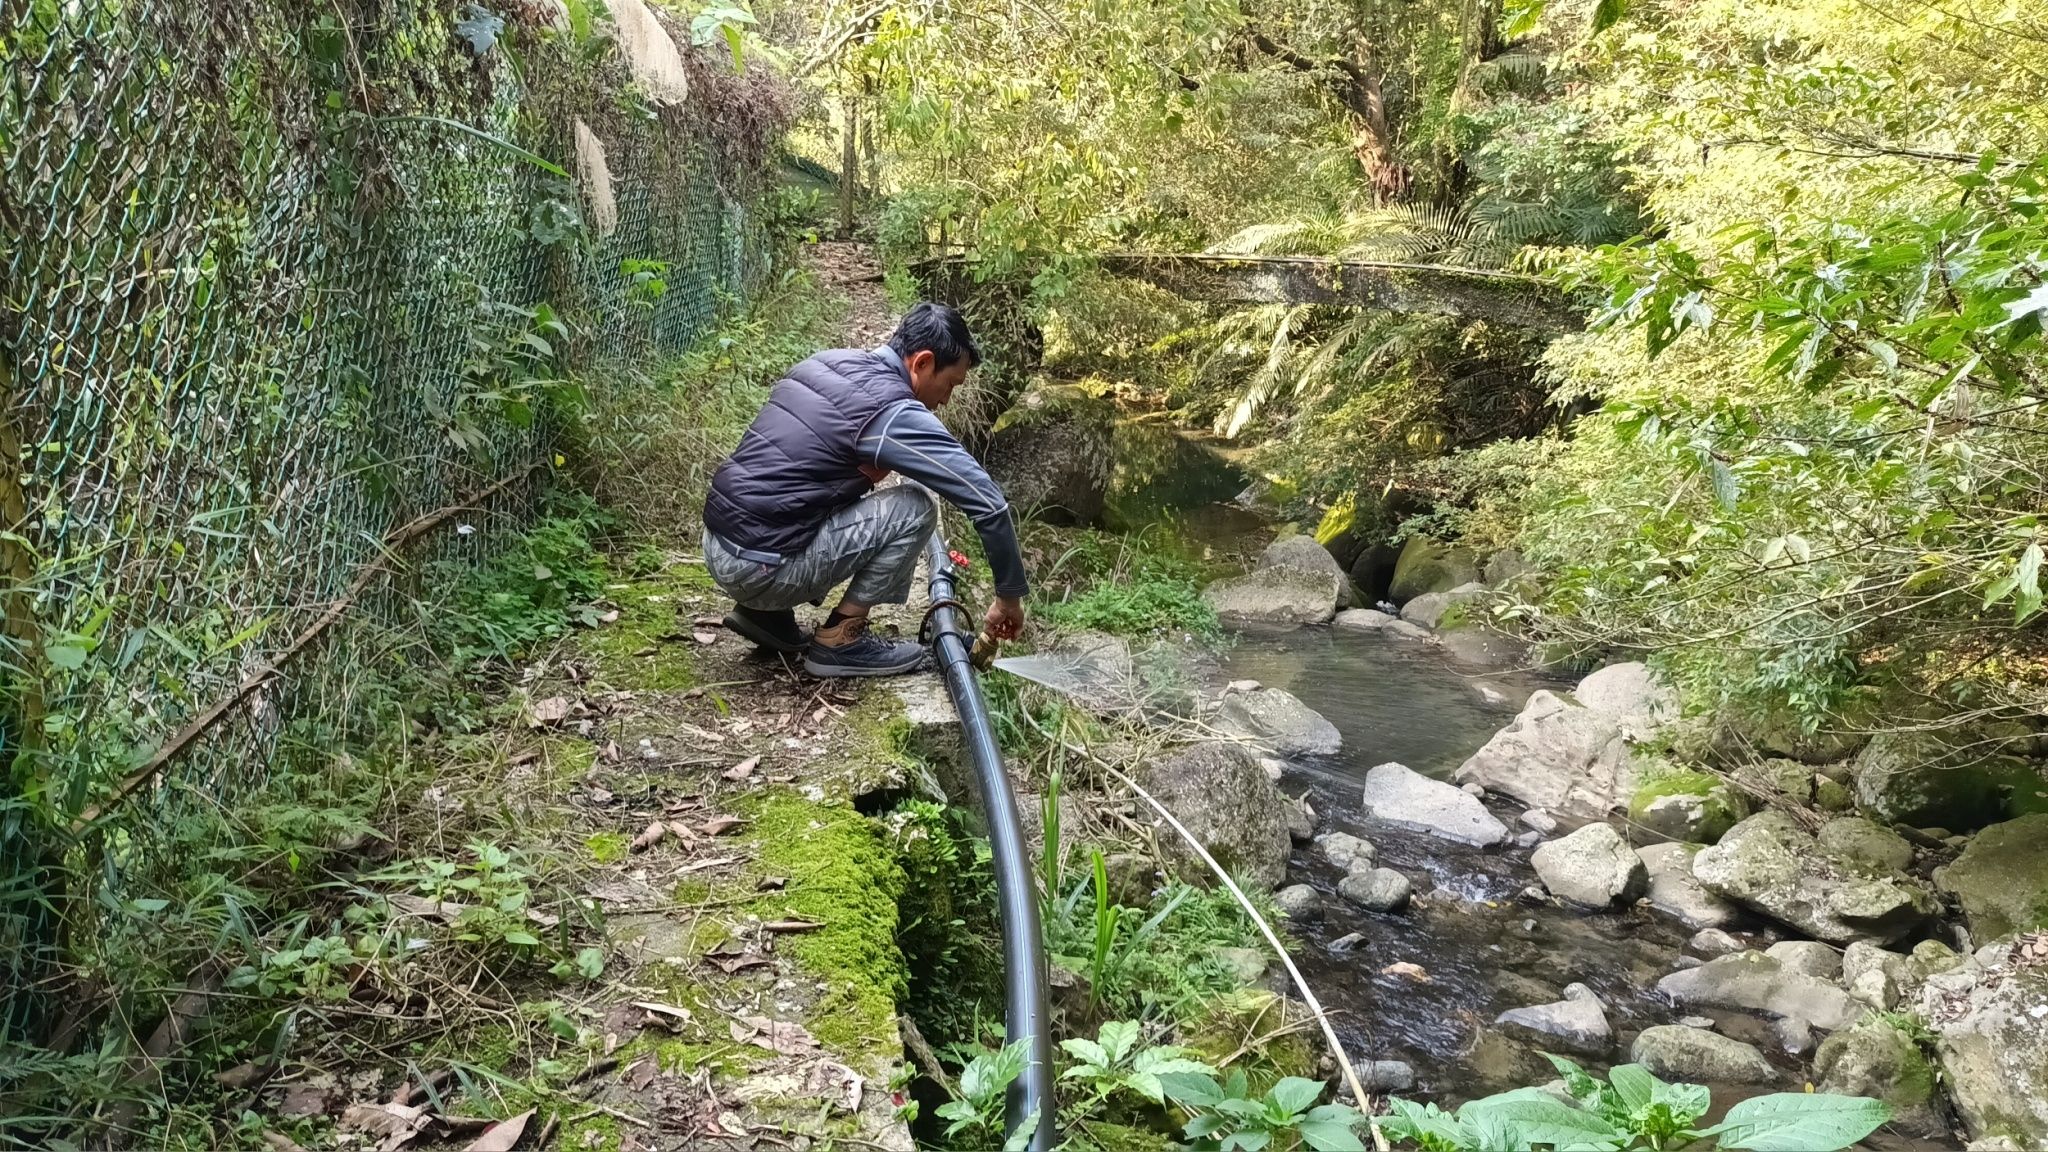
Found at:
<point>1634,1109</point>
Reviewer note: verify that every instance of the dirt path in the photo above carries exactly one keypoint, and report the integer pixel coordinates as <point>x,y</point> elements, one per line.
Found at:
<point>686,809</point>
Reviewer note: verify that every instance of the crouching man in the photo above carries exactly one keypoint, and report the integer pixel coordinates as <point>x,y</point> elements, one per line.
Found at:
<point>794,511</point>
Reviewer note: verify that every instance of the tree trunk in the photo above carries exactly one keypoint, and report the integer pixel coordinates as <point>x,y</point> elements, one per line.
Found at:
<point>1372,141</point>
<point>849,163</point>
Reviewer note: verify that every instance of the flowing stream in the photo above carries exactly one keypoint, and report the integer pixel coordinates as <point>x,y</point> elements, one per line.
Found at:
<point>1481,945</point>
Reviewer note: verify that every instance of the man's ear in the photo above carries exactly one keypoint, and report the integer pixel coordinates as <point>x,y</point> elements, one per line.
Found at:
<point>922,363</point>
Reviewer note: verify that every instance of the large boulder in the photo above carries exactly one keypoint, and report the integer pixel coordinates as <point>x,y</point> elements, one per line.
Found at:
<point>1875,1059</point>
<point>1682,804</point>
<point>1577,1023</point>
<point>1854,840</point>
<point>1558,756</point>
<point>1754,982</point>
<point>1429,566</point>
<point>1771,864</point>
<point>1051,454</point>
<point>1228,804</point>
<point>1304,554</point>
<point>1990,1021</point>
<point>2001,879</point>
<point>1960,782</point>
<point>1675,892</point>
<point>1593,867</point>
<point>1373,620</point>
<point>1677,1052</point>
<point>1632,696</point>
<point>1275,596</point>
<point>1405,798</point>
<point>1431,608</point>
<point>1278,722</point>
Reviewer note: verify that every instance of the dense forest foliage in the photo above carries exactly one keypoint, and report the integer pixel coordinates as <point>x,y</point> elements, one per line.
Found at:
<point>1797,444</point>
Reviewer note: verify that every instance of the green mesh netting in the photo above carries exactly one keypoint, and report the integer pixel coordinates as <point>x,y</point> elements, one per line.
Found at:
<point>267,271</point>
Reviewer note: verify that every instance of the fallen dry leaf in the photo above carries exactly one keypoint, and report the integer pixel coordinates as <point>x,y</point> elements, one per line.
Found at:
<point>409,905</point>
<point>771,884</point>
<point>733,1125</point>
<point>682,805</point>
<point>301,1100</point>
<point>647,651</point>
<point>544,919</point>
<point>791,926</point>
<point>649,836</point>
<point>598,795</point>
<point>704,636</point>
<point>611,617</point>
<point>1414,972</point>
<point>396,1123</point>
<point>245,1075</point>
<point>743,769</point>
<point>526,757</point>
<point>774,1035</point>
<point>502,1136</point>
<point>669,1015</point>
<point>719,825</point>
<point>835,1082</point>
<point>641,1073</point>
<point>681,831</point>
<point>709,621</point>
<point>552,710</point>
<point>733,964</point>
<point>693,693</point>
<point>610,750</point>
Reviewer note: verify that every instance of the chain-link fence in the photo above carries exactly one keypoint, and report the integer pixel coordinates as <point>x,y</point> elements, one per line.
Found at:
<point>276,280</point>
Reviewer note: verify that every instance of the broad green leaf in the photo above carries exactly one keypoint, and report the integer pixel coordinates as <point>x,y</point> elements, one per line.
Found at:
<point>1799,1122</point>
<point>1608,13</point>
<point>516,936</point>
<point>1295,1094</point>
<point>69,657</point>
<point>1191,1089</point>
<point>1540,1118</point>
<point>1118,1037</point>
<point>1247,1141</point>
<point>1420,1123</point>
<point>1325,1136</point>
<point>1634,1084</point>
<point>1087,1051</point>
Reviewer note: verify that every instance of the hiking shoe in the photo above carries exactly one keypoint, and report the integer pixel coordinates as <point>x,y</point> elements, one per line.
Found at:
<point>775,631</point>
<point>865,655</point>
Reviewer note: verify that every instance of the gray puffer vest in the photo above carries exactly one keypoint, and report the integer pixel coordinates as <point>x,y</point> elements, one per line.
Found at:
<point>798,462</point>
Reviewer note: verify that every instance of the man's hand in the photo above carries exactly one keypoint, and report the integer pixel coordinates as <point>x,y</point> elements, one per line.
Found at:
<point>1005,619</point>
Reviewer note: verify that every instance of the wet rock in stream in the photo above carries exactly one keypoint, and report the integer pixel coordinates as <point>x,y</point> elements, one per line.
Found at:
<point>1770,863</point>
<point>1277,722</point>
<point>1674,891</point>
<point>1678,1052</point>
<point>1376,889</point>
<point>1754,982</point>
<point>1577,1023</point>
<point>1346,851</point>
<point>1592,868</point>
<point>1405,798</point>
<point>1713,943</point>
<point>1384,1075</point>
<point>1299,902</point>
<point>1559,756</point>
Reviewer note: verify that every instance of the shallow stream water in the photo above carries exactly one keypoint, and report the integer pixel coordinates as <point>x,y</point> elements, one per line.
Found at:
<point>1483,946</point>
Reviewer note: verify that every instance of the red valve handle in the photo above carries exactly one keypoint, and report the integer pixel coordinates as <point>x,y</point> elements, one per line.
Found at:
<point>959,559</point>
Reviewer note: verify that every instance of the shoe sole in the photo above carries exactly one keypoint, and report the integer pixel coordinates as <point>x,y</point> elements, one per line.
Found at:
<point>761,637</point>
<point>844,672</point>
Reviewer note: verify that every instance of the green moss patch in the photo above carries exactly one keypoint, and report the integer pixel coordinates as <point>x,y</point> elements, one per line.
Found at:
<point>841,875</point>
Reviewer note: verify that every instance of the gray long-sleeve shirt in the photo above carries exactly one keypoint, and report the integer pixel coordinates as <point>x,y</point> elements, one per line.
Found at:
<point>907,437</point>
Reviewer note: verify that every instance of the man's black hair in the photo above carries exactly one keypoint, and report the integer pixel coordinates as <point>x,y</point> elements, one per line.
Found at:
<point>937,329</point>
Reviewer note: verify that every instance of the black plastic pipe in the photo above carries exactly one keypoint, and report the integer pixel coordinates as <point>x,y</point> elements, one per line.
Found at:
<point>1025,1018</point>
